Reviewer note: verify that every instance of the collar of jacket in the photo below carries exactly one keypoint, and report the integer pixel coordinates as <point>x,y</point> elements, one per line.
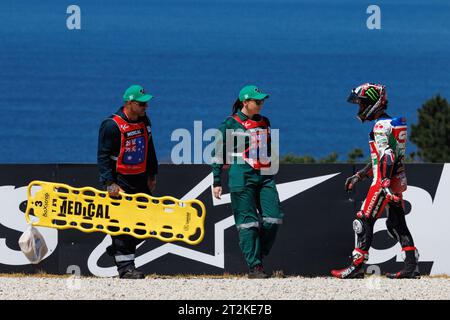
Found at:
<point>241,115</point>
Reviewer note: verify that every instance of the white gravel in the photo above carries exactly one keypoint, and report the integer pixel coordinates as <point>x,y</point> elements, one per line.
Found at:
<point>238,288</point>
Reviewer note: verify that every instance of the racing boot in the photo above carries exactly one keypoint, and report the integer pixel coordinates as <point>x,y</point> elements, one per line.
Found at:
<point>356,269</point>
<point>257,272</point>
<point>411,269</point>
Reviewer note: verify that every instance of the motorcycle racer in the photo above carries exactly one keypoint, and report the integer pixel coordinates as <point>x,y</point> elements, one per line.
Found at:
<point>387,142</point>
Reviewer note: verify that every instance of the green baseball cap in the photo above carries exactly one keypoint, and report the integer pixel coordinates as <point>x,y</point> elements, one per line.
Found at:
<point>136,93</point>
<point>252,92</point>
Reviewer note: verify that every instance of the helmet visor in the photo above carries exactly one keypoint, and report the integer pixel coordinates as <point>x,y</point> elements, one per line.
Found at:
<point>353,98</point>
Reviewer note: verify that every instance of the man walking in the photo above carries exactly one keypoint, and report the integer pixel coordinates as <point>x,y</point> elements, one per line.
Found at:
<point>387,142</point>
<point>127,163</point>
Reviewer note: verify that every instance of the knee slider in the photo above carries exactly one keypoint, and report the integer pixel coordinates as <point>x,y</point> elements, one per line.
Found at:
<point>358,226</point>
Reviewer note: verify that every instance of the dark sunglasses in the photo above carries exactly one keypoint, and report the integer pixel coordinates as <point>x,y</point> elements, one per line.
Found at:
<point>258,102</point>
<point>141,104</point>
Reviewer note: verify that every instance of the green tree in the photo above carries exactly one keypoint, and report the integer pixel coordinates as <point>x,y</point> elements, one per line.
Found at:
<point>432,132</point>
<point>331,158</point>
<point>292,158</point>
<point>354,155</point>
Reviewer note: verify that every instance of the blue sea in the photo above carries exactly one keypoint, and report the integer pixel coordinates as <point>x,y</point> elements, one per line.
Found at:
<point>57,84</point>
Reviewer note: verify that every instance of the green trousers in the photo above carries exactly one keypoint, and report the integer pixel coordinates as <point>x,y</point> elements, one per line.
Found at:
<point>257,214</point>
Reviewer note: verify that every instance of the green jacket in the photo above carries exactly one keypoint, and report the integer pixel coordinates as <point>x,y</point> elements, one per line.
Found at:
<point>240,173</point>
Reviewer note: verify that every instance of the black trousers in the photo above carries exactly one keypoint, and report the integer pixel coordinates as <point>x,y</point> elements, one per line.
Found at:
<point>123,247</point>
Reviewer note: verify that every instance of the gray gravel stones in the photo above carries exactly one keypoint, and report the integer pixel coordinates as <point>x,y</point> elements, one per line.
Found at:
<point>238,288</point>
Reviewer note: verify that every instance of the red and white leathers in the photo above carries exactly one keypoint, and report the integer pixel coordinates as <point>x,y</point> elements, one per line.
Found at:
<point>387,147</point>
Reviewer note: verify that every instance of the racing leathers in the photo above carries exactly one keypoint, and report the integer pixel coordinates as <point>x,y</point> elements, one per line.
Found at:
<point>387,148</point>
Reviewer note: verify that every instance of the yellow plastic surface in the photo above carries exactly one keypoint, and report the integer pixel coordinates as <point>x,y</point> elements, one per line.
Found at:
<point>87,209</point>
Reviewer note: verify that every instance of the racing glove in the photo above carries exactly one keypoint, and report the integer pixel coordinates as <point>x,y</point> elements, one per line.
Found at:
<point>385,184</point>
<point>358,176</point>
<point>351,181</point>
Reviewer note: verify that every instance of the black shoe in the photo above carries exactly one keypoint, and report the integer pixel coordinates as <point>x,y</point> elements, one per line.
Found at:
<point>131,274</point>
<point>257,272</point>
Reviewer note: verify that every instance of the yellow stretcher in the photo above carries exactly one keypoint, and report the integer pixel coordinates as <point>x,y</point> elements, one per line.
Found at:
<point>87,209</point>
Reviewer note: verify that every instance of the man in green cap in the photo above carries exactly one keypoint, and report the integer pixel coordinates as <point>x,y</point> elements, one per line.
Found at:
<point>127,163</point>
<point>244,143</point>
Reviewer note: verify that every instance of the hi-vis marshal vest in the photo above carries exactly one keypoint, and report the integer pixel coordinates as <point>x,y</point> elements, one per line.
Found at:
<point>257,154</point>
<point>132,157</point>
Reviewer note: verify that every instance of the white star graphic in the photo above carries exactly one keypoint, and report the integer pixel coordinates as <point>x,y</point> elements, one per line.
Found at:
<point>285,190</point>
